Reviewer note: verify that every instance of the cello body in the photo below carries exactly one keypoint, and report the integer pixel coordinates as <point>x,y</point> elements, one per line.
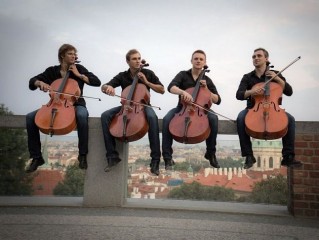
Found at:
<point>266,120</point>
<point>57,117</point>
<point>130,123</point>
<point>191,124</point>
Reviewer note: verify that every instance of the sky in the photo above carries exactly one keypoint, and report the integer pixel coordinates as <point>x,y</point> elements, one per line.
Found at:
<point>166,33</point>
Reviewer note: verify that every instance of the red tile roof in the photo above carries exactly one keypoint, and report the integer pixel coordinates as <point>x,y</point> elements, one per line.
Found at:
<point>46,180</point>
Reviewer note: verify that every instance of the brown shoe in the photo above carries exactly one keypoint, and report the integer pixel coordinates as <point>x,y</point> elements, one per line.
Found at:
<point>290,161</point>
<point>82,162</point>
<point>249,162</point>
<point>36,162</point>
<point>169,163</point>
<point>212,160</point>
<point>111,162</point>
<point>155,167</point>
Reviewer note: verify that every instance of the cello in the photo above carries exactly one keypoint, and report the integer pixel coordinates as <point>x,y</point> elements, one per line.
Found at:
<point>266,120</point>
<point>130,123</point>
<point>58,115</point>
<point>191,124</point>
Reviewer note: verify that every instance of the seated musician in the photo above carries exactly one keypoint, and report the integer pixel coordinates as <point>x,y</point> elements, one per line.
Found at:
<point>245,92</point>
<point>182,81</point>
<point>67,56</point>
<point>125,79</point>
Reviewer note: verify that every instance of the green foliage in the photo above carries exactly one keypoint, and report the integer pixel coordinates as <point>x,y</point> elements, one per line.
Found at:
<point>4,110</point>
<point>230,163</point>
<point>183,166</point>
<point>142,162</point>
<point>13,156</point>
<point>272,190</point>
<point>196,191</point>
<point>73,183</point>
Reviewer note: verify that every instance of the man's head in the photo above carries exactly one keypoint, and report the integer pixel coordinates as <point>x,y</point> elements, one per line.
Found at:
<point>260,57</point>
<point>198,59</point>
<point>133,59</point>
<point>64,49</point>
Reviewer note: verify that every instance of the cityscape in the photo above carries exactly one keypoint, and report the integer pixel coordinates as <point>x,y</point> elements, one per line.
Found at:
<point>61,152</point>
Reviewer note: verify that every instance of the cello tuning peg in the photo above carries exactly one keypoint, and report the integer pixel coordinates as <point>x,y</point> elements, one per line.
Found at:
<point>206,68</point>
<point>76,60</point>
<point>144,64</point>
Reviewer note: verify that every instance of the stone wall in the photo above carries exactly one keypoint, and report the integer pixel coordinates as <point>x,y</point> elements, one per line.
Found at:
<point>304,182</point>
<point>103,189</point>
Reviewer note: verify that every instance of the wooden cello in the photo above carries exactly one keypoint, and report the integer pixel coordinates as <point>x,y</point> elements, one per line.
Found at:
<point>57,117</point>
<point>191,124</point>
<point>130,124</point>
<point>266,120</point>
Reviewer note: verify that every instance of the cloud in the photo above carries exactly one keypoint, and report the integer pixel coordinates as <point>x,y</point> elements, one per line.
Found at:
<point>166,33</point>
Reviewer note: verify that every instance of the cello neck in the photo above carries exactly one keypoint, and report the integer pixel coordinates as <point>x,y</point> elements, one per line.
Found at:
<point>267,80</point>
<point>135,79</point>
<point>200,77</point>
<point>65,78</point>
<point>63,83</point>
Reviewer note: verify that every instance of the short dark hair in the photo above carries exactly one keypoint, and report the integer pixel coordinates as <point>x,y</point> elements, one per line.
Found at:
<point>131,52</point>
<point>199,51</point>
<point>63,49</point>
<point>264,50</point>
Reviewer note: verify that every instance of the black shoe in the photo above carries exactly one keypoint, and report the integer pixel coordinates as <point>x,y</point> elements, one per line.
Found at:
<point>169,163</point>
<point>112,162</point>
<point>82,162</point>
<point>290,161</point>
<point>212,160</point>
<point>36,162</point>
<point>249,162</point>
<point>155,168</point>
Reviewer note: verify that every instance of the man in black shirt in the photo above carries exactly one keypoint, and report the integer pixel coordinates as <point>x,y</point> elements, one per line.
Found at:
<point>182,81</point>
<point>245,92</point>
<point>125,79</point>
<point>67,57</point>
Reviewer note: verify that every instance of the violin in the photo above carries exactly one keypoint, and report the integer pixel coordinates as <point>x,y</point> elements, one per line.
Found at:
<point>58,115</point>
<point>266,120</point>
<point>191,124</point>
<point>130,124</point>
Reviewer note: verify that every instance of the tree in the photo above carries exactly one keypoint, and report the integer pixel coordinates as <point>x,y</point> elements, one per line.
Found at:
<point>196,165</point>
<point>230,163</point>
<point>73,183</point>
<point>13,157</point>
<point>196,191</point>
<point>273,190</point>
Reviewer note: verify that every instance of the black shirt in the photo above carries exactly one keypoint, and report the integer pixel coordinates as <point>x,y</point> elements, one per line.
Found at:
<point>125,79</point>
<point>249,80</point>
<point>185,80</point>
<point>53,73</point>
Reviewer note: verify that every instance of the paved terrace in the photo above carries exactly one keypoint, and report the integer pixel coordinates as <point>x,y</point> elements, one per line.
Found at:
<point>23,223</point>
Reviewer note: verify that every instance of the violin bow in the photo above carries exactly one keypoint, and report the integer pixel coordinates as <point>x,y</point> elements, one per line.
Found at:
<point>297,59</point>
<point>143,104</point>
<point>73,95</point>
<point>213,112</point>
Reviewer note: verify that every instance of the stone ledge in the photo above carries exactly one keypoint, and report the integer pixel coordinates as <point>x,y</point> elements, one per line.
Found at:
<point>224,126</point>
